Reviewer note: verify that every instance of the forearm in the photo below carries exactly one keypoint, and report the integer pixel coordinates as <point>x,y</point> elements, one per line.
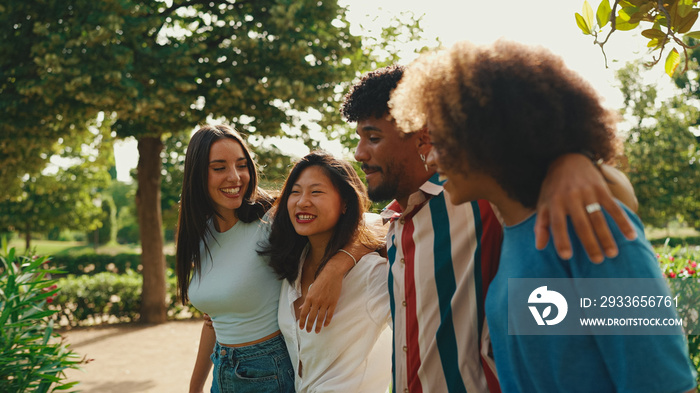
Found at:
<point>620,186</point>
<point>341,263</point>
<point>203,364</point>
<point>323,295</point>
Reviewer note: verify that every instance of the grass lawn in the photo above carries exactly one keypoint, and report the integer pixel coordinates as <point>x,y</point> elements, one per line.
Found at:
<point>52,247</point>
<point>656,233</point>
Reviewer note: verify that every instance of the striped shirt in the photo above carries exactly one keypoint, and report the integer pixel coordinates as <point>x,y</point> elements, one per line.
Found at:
<point>442,258</point>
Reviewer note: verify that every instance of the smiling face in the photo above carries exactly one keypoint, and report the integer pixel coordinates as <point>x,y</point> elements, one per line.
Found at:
<point>314,204</point>
<point>228,178</point>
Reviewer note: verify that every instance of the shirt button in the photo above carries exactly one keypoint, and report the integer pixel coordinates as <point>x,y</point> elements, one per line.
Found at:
<point>403,261</point>
<point>405,348</point>
<point>223,352</point>
<point>405,390</point>
<point>403,303</point>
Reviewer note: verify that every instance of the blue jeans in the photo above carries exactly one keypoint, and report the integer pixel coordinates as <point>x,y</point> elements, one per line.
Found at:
<point>257,368</point>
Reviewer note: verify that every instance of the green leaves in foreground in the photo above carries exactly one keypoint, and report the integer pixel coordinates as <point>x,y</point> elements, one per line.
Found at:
<point>671,22</point>
<point>32,356</point>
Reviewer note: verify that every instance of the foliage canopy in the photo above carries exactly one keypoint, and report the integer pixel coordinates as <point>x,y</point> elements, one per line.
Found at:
<point>666,23</point>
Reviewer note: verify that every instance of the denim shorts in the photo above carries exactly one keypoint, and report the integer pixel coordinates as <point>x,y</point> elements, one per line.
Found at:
<point>257,368</point>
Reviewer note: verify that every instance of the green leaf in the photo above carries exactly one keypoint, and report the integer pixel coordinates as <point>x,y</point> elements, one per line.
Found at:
<point>624,25</point>
<point>672,61</point>
<point>654,33</point>
<point>685,7</point>
<point>588,14</point>
<point>653,43</point>
<point>582,24</point>
<point>693,34</point>
<point>687,22</point>
<point>66,386</point>
<point>603,13</point>
<point>631,14</point>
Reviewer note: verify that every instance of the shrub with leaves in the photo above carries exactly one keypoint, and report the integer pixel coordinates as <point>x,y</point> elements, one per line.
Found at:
<point>32,356</point>
<point>109,297</point>
<point>97,263</point>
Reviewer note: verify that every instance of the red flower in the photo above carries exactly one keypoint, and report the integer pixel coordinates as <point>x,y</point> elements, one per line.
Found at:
<point>692,263</point>
<point>49,300</point>
<point>690,271</point>
<point>672,274</point>
<point>671,259</point>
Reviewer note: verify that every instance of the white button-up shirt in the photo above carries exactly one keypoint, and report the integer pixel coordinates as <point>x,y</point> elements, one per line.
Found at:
<point>353,353</point>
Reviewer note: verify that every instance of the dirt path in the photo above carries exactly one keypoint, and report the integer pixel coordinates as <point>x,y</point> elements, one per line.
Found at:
<point>133,358</point>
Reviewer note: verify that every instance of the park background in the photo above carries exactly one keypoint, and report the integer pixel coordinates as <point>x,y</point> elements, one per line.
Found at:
<point>89,88</point>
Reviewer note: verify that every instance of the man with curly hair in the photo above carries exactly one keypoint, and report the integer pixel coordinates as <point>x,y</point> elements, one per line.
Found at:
<point>443,256</point>
<point>499,115</point>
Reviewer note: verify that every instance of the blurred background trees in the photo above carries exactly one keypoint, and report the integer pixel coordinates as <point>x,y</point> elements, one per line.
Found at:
<point>154,71</point>
<point>663,146</point>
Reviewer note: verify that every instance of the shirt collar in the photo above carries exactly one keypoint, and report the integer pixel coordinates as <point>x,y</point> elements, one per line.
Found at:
<point>429,189</point>
<point>434,186</point>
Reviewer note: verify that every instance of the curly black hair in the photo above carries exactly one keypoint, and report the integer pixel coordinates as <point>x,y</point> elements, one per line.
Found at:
<point>370,96</point>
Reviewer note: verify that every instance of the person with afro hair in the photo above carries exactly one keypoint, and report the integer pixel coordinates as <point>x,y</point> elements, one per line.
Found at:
<point>499,115</point>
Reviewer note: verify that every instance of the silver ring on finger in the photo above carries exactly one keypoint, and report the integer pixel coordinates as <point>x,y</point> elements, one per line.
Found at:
<point>593,207</point>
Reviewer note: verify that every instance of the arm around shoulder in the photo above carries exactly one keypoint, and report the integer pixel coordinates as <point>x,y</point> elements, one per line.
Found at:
<point>574,187</point>
<point>620,186</point>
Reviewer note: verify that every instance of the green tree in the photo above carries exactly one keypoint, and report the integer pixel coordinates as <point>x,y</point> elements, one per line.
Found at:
<point>107,232</point>
<point>662,151</point>
<point>66,196</point>
<point>666,23</point>
<point>173,161</point>
<point>65,200</point>
<point>36,119</point>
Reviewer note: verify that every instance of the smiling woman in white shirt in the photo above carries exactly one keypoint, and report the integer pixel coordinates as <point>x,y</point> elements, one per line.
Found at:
<point>322,206</point>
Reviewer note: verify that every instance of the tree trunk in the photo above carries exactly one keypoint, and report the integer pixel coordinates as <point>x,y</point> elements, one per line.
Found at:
<point>153,309</point>
<point>27,237</point>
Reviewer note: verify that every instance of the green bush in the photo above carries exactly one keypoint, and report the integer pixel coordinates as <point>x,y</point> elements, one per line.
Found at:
<point>32,356</point>
<point>97,263</point>
<point>108,298</point>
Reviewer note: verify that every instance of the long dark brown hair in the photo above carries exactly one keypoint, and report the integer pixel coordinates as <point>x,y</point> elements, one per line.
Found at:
<point>285,246</point>
<point>197,207</point>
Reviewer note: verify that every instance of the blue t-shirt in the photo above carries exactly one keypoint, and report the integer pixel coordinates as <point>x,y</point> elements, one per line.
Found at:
<point>581,363</point>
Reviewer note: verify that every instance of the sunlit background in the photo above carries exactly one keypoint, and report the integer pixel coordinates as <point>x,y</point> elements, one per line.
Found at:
<point>547,23</point>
